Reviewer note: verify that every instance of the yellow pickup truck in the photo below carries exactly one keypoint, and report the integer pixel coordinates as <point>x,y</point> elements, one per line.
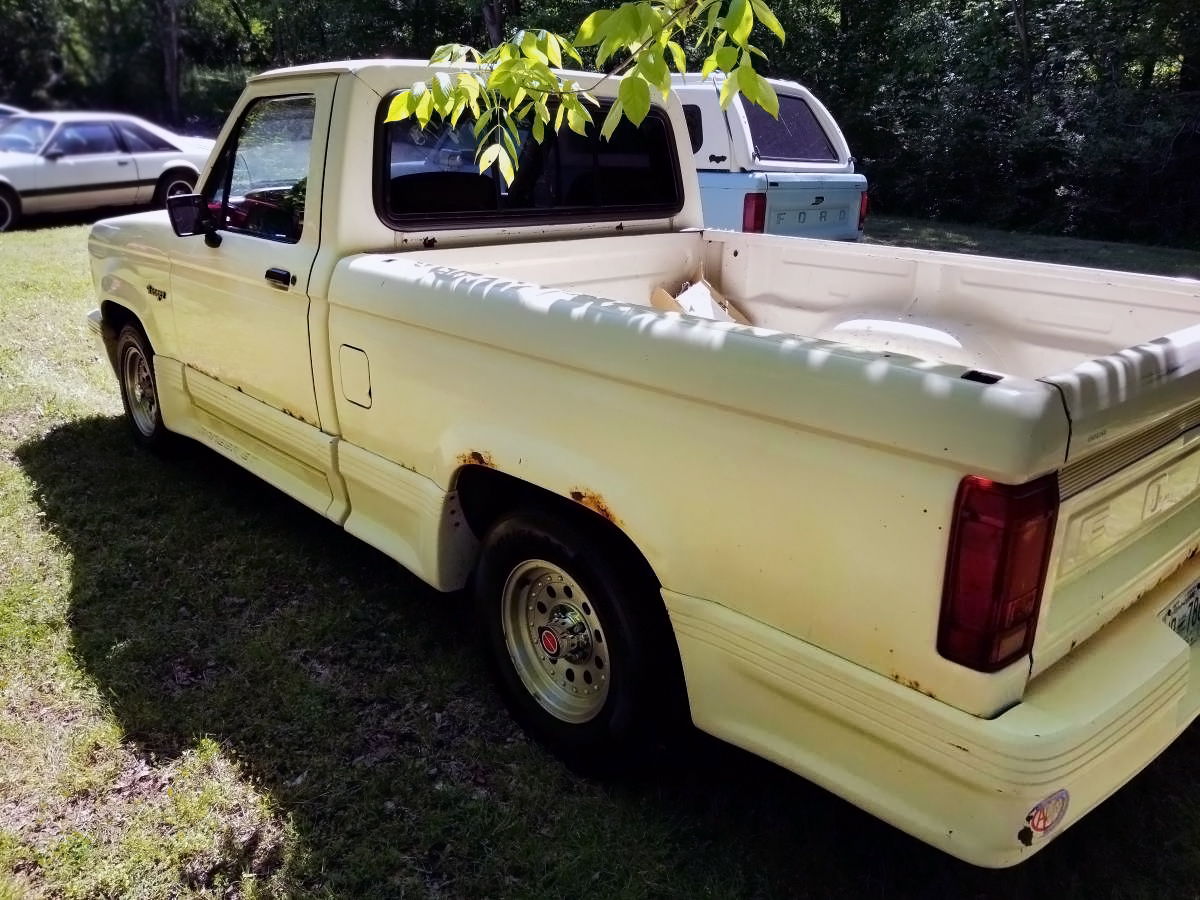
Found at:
<point>920,527</point>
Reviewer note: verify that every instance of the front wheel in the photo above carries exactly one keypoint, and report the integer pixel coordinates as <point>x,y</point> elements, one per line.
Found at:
<point>579,641</point>
<point>139,390</point>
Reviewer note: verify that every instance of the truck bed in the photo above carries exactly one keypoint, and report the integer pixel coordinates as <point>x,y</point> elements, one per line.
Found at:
<point>1001,317</point>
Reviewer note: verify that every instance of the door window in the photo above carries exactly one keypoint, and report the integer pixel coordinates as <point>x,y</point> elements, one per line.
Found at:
<point>260,180</point>
<point>81,138</point>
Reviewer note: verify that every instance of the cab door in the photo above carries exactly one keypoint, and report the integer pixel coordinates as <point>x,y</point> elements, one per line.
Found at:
<point>241,298</point>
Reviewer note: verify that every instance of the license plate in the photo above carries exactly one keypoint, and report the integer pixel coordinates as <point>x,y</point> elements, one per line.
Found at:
<point>1183,615</point>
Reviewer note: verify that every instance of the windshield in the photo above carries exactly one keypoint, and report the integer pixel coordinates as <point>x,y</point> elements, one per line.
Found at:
<point>24,134</point>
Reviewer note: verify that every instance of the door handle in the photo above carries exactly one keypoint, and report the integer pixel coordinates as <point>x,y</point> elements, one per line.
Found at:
<point>281,277</point>
<point>122,162</point>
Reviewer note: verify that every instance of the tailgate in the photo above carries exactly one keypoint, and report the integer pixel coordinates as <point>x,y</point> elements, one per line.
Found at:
<point>1129,516</point>
<point>817,206</point>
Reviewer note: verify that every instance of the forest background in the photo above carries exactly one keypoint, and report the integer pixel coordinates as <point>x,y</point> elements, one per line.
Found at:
<point>1079,117</point>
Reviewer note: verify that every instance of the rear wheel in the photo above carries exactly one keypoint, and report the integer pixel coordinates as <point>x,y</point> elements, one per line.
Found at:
<point>139,389</point>
<point>579,642</point>
<point>172,184</point>
<point>10,209</point>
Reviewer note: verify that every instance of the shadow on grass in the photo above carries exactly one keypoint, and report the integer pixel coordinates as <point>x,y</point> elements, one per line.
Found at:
<point>206,603</point>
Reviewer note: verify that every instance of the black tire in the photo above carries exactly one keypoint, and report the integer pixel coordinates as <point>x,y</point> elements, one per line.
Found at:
<point>10,209</point>
<point>139,389</point>
<point>172,183</point>
<point>603,691</point>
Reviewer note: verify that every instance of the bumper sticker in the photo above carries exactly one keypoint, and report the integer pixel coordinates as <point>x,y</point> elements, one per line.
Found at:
<point>1044,817</point>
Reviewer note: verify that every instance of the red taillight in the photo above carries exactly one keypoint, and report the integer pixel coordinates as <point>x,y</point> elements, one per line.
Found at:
<point>754,213</point>
<point>863,205</point>
<point>995,570</point>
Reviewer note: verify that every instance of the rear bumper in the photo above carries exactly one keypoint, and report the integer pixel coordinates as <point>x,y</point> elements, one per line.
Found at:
<point>989,791</point>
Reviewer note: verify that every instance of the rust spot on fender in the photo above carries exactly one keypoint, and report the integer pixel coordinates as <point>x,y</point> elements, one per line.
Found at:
<point>477,458</point>
<point>912,683</point>
<point>595,503</point>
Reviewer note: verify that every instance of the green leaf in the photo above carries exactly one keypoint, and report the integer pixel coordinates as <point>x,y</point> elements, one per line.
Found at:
<point>608,47</point>
<point>400,108</point>
<point>653,67</point>
<point>553,51</point>
<point>424,107</point>
<point>594,29</point>
<point>739,20</point>
<point>468,83</point>
<point>730,87</point>
<point>650,20</point>
<point>634,95</point>
<point>558,118</point>
<point>613,119</point>
<point>442,86</point>
<point>509,144</point>
<point>529,47</point>
<point>577,118</point>
<point>539,129</point>
<point>726,58</point>
<point>506,167</point>
<point>570,50</point>
<point>488,157</point>
<point>714,12</point>
<point>677,56</point>
<point>764,15</point>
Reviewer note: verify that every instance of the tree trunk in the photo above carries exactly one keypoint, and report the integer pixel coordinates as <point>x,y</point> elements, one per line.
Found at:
<point>169,34</point>
<point>493,20</point>
<point>1018,8</point>
<point>1189,69</point>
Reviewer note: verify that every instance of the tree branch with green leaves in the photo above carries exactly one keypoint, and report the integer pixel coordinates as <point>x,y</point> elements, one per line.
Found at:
<point>516,83</point>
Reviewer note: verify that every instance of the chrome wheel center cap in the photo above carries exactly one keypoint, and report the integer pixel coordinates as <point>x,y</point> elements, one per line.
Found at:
<point>565,635</point>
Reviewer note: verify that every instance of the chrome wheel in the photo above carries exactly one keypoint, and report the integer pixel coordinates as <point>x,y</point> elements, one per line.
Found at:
<point>555,641</point>
<point>172,184</point>
<point>137,379</point>
<point>179,186</point>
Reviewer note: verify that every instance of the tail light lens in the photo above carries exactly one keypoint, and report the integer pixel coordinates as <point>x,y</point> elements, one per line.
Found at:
<point>995,570</point>
<point>863,206</point>
<point>754,213</point>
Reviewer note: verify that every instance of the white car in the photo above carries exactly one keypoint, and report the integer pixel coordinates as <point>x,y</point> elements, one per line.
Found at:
<point>52,162</point>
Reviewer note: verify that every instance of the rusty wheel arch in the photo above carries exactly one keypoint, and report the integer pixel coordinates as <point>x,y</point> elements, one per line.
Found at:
<point>486,494</point>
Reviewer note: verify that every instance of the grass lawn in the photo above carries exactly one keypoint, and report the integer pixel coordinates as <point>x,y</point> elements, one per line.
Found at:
<point>208,691</point>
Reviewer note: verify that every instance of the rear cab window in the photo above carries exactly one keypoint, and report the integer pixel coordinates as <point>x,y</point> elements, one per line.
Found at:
<point>429,175</point>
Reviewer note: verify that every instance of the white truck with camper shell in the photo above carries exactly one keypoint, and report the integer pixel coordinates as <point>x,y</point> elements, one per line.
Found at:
<point>789,174</point>
<point>924,530</point>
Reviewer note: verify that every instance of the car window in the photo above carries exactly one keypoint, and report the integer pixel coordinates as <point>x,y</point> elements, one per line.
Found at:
<point>695,125</point>
<point>24,134</point>
<point>795,135</point>
<point>260,179</point>
<point>431,173</point>
<point>142,140</point>
<point>82,138</point>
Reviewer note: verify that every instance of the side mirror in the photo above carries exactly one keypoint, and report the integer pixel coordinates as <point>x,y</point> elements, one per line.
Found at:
<point>54,155</point>
<point>189,216</point>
